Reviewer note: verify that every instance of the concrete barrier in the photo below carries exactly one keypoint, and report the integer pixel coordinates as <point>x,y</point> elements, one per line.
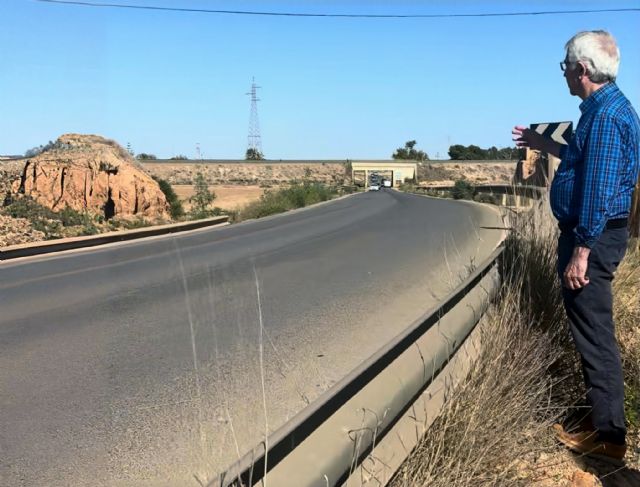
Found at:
<point>49,246</point>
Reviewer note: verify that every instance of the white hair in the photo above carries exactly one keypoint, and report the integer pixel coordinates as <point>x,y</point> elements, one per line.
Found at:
<point>598,50</point>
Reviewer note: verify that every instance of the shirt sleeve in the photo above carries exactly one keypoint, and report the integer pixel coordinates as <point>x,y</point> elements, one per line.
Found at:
<point>603,159</point>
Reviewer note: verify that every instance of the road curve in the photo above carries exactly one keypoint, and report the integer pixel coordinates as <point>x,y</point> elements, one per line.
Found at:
<point>154,362</point>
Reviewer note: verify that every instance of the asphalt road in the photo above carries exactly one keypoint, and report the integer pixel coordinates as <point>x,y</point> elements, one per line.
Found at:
<point>145,363</point>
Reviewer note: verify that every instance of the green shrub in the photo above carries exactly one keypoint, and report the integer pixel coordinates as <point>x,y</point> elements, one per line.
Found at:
<point>407,187</point>
<point>348,189</point>
<point>70,217</point>
<point>29,209</point>
<point>462,190</point>
<point>201,200</point>
<point>195,214</point>
<point>297,195</point>
<point>49,222</point>
<point>176,209</point>
<point>486,198</point>
<point>123,224</point>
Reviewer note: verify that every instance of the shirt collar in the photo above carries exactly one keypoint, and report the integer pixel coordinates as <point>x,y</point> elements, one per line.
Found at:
<point>598,96</point>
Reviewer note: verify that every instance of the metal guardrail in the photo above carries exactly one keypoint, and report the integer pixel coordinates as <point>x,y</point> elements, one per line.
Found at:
<point>533,192</point>
<point>45,247</point>
<point>315,448</point>
<point>329,439</point>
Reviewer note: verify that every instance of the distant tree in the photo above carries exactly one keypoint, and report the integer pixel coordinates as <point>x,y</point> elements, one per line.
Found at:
<point>34,151</point>
<point>202,198</point>
<point>143,156</point>
<point>511,154</point>
<point>348,168</point>
<point>253,155</point>
<point>473,152</point>
<point>179,157</point>
<point>457,152</point>
<point>130,150</point>
<point>175,205</point>
<point>408,152</point>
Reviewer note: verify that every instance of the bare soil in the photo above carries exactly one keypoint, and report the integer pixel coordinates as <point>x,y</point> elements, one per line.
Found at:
<point>264,173</point>
<point>228,197</point>
<point>446,173</point>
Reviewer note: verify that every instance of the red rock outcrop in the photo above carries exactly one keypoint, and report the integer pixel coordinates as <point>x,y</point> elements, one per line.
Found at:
<point>93,174</point>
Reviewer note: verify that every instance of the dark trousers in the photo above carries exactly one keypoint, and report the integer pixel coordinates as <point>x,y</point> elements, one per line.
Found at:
<point>590,313</point>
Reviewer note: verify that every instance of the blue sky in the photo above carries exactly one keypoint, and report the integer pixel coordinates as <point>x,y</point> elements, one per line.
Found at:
<point>331,88</point>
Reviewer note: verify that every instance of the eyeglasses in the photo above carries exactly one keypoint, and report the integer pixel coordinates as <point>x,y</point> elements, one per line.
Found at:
<point>563,66</point>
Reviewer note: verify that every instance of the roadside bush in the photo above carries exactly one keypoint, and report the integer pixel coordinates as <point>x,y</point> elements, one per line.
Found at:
<point>349,189</point>
<point>407,187</point>
<point>297,195</point>
<point>207,213</point>
<point>176,209</point>
<point>486,198</point>
<point>202,199</point>
<point>70,217</point>
<point>49,222</point>
<point>27,208</point>
<point>128,224</point>
<point>462,190</point>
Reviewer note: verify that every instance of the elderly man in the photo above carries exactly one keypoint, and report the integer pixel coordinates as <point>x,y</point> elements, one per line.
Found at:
<point>591,198</point>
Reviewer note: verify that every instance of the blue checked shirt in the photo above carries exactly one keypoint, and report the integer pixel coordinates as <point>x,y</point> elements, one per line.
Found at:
<point>599,169</point>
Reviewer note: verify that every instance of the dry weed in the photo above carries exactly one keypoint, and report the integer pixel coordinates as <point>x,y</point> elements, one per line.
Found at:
<point>626,287</point>
<point>494,430</point>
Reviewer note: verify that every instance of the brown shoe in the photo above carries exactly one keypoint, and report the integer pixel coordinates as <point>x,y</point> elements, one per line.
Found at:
<point>587,443</point>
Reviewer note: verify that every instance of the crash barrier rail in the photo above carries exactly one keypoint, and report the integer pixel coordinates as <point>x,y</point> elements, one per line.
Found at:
<point>37,248</point>
<point>327,441</point>
<point>361,430</point>
<point>510,195</point>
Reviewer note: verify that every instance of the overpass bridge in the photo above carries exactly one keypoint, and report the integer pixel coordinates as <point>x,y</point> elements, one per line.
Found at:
<point>395,171</point>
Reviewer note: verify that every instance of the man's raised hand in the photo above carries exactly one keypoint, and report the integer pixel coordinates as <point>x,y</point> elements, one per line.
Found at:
<point>523,136</point>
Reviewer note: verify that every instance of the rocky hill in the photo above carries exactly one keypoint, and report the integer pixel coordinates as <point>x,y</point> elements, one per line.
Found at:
<point>9,172</point>
<point>91,174</point>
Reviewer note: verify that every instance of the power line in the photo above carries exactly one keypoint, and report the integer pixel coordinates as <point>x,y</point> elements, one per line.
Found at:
<point>333,15</point>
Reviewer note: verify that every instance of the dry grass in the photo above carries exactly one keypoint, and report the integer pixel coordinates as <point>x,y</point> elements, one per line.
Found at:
<point>627,317</point>
<point>494,431</point>
<point>228,197</point>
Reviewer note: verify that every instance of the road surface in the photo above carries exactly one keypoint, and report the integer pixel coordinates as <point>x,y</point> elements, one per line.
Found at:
<point>158,362</point>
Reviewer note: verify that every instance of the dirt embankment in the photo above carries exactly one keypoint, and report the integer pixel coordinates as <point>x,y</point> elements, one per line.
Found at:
<point>263,173</point>
<point>478,173</point>
<point>267,174</point>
